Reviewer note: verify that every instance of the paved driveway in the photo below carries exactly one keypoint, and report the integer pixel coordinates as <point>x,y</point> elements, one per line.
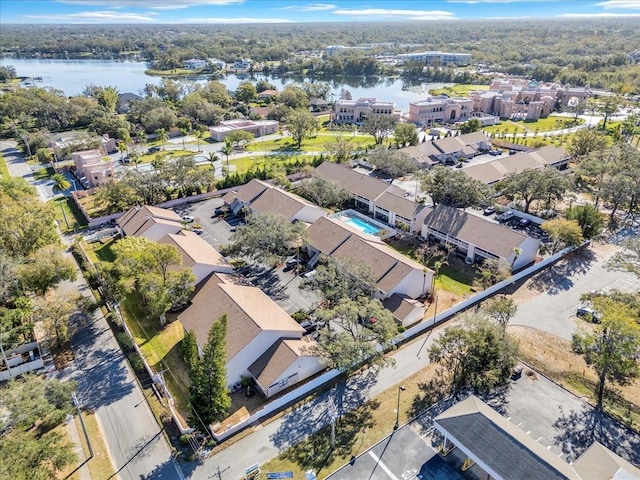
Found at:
<point>554,310</point>
<point>402,456</point>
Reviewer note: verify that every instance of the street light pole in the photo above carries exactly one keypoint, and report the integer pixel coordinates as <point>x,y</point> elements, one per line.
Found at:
<point>397,424</point>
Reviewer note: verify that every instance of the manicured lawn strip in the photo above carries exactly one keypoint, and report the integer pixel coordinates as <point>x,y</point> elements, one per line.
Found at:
<point>65,474</point>
<point>313,144</point>
<point>100,465</point>
<point>103,251</point>
<point>453,280</point>
<point>4,170</point>
<point>71,219</point>
<point>43,173</point>
<point>458,90</point>
<point>539,126</point>
<point>161,349</point>
<point>355,431</point>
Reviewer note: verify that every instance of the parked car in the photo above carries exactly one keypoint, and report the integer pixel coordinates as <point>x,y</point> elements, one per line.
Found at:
<point>188,219</point>
<point>524,222</point>
<point>199,231</point>
<point>310,275</point>
<point>153,150</point>
<point>588,313</point>
<point>508,215</point>
<point>292,262</point>
<point>489,211</point>
<point>495,153</point>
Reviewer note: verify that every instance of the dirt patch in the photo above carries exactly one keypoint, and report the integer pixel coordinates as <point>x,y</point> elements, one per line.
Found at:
<point>553,357</point>
<point>62,356</point>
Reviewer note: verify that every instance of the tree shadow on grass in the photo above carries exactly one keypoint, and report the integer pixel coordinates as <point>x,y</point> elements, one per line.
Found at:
<point>579,429</point>
<point>304,436</point>
<point>316,452</point>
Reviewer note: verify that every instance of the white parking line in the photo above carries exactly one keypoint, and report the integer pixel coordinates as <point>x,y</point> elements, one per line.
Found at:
<point>383,466</point>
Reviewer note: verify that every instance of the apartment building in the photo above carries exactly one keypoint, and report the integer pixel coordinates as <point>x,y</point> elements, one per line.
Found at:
<point>436,58</point>
<point>356,111</point>
<point>91,168</point>
<point>440,109</point>
<point>257,128</point>
<point>525,99</point>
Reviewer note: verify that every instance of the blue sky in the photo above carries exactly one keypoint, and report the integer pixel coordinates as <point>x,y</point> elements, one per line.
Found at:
<point>287,11</point>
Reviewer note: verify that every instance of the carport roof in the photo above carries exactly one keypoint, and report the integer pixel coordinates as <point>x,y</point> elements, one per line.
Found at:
<point>598,462</point>
<point>494,442</point>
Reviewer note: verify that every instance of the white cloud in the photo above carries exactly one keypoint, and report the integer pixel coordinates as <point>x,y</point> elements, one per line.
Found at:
<point>473,2</point>
<point>624,4</point>
<point>93,17</point>
<point>405,14</point>
<point>232,20</point>
<point>509,18</point>
<point>598,15</point>
<point>312,7</point>
<point>157,4</point>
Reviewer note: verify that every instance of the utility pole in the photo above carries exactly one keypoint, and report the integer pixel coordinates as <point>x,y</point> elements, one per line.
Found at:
<point>219,473</point>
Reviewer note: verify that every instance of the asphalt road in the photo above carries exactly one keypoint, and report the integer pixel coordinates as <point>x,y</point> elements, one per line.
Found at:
<point>106,384</point>
<point>554,310</point>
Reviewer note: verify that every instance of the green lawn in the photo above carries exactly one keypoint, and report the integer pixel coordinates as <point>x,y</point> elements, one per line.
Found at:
<point>67,214</point>
<point>539,126</point>
<point>161,349</point>
<point>43,173</point>
<point>4,170</point>
<point>103,251</point>
<point>458,90</point>
<point>454,280</point>
<point>313,144</point>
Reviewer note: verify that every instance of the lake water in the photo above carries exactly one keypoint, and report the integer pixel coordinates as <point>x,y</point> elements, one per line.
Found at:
<point>72,76</point>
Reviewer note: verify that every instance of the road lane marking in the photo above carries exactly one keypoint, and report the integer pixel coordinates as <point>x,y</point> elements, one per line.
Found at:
<point>383,466</point>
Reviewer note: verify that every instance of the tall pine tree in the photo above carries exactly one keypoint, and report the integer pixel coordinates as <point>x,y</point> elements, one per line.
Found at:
<point>209,392</point>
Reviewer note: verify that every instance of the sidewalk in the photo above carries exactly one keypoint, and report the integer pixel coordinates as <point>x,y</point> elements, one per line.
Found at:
<point>268,440</point>
<point>72,429</point>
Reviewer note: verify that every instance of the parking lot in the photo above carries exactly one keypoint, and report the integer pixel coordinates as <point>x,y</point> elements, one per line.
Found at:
<point>282,284</point>
<point>550,415</point>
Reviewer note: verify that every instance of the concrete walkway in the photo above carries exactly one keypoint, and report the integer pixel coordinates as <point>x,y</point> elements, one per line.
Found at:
<point>73,430</point>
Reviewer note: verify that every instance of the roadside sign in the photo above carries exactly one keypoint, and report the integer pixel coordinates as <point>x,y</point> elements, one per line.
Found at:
<point>276,475</point>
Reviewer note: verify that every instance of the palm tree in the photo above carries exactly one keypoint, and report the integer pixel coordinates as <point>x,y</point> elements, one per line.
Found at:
<point>60,182</point>
<point>184,132</point>
<point>122,147</point>
<point>162,136</point>
<point>212,159</point>
<point>199,135</point>
<point>227,150</point>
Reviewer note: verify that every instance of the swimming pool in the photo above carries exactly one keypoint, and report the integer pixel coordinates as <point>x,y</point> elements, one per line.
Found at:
<point>361,225</point>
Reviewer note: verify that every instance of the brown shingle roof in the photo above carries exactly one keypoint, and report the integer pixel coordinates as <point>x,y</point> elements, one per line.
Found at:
<point>423,153</point>
<point>249,191</point>
<point>249,311</point>
<point>280,356</point>
<point>401,306</point>
<point>275,200</point>
<point>450,145</point>
<point>498,169</point>
<point>139,219</point>
<point>399,204</point>
<point>354,182</point>
<point>489,236</point>
<point>194,249</point>
<point>335,238</point>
